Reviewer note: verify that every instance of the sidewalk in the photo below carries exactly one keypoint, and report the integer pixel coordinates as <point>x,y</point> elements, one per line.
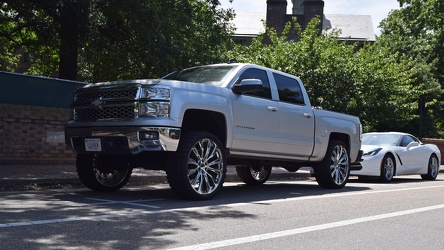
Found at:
<point>26,177</point>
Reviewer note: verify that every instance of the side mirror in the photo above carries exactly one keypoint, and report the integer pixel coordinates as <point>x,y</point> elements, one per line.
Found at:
<point>247,86</point>
<point>412,144</point>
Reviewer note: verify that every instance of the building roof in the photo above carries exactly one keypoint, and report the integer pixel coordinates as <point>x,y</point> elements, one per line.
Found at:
<point>249,23</point>
<point>353,27</point>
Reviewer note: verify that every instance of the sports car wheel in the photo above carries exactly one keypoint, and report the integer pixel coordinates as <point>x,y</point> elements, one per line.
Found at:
<point>253,175</point>
<point>333,171</point>
<point>197,169</point>
<point>388,167</point>
<point>433,169</point>
<point>96,173</point>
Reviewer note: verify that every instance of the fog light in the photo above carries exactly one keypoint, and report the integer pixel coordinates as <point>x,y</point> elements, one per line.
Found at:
<point>148,135</point>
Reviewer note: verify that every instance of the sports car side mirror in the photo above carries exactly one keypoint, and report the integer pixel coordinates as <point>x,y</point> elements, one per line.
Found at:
<point>412,144</point>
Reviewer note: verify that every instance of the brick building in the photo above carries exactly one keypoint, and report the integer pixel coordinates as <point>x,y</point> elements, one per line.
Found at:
<point>33,114</point>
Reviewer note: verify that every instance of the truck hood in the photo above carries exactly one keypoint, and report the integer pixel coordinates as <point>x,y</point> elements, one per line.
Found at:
<point>124,82</point>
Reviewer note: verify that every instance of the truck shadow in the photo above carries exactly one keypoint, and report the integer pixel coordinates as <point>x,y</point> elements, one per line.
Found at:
<point>149,216</point>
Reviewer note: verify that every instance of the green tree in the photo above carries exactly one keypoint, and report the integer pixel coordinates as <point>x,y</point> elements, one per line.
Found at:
<point>415,32</point>
<point>133,39</point>
<point>369,82</point>
<point>98,40</point>
<point>56,25</point>
<point>10,38</point>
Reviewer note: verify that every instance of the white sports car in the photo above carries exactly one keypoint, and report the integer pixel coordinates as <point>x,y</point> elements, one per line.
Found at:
<point>393,153</point>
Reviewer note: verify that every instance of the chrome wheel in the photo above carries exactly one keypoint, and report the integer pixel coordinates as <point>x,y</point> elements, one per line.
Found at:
<point>205,166</point>
<point>333,171</point>
<point>97,173</point>
<point>110,178</point>
<point>260,173</point>
<point>340,165</point>
<point>197,169</point>
<point>253,175</point>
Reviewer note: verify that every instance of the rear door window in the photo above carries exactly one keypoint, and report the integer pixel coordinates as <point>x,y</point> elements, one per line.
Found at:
<point>289,89</point>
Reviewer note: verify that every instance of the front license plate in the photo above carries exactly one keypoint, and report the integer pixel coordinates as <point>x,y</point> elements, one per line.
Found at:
<point>93,144</point>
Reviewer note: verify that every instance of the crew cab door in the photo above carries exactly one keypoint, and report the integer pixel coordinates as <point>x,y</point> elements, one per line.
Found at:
<point>255,116</point>
<point>296,118</point>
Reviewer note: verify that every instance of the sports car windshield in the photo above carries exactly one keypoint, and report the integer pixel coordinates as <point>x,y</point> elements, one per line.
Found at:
<point>381,139</point>
<point>214,75</point>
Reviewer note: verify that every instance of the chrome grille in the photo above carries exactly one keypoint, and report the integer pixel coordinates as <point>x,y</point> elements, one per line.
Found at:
<point>101,113</point>
<point>106,94</point>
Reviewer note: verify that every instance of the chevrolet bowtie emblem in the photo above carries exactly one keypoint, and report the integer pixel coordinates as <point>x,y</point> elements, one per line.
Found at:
<point>97,103</point>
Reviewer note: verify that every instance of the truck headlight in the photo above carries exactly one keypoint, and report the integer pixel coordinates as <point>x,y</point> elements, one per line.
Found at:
<point>155,93</point>
<point>154,109</point>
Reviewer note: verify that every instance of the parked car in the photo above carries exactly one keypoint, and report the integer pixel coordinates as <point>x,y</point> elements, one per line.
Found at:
<point>393,153</point>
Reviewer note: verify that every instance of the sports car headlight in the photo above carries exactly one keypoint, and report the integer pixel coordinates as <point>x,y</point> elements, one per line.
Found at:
<point>373,152</point>
<point>154,109</point>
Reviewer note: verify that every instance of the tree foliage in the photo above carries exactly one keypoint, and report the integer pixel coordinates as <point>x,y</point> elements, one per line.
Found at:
<point>415,32</point>
<point>98,40</point>
<point>10,37</point>
<point>369,82</point>
<point>45,27</point>
<point>133,39</point>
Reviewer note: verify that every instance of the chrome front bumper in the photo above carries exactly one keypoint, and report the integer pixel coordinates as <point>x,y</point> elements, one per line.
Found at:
<point>123,140</point>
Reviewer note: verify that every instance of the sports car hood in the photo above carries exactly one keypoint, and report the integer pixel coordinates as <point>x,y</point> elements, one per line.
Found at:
<point>368,148</point>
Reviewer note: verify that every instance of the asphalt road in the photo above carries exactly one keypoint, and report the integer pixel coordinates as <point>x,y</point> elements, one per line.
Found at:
<point>405,214</point>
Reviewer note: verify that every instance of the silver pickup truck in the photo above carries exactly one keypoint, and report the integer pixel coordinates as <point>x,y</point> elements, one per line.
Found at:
<point>194,122</point>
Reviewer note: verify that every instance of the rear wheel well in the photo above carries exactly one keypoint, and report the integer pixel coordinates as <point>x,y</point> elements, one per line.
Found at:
<point>204,120</point>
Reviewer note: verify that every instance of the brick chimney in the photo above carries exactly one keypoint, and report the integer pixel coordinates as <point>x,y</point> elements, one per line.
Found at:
<point>276,14</point>
<point>313,8</point>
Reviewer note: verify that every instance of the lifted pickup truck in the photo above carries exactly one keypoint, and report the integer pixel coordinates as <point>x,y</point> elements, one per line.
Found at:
<point>194,122</point>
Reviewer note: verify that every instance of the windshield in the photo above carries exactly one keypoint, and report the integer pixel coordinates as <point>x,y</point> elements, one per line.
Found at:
<point>214,75</point>
<point>381,139</point>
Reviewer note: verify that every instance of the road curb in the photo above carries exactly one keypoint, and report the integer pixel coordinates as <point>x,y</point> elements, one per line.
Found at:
<point>135,180</point>
<point>139,178</point>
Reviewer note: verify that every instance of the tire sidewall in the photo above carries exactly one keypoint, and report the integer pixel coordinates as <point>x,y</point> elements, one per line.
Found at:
<point>382,176</point>
<point>244,174</point>
<point>177,166</point>
<point>429,175</point>
<point>85,165</point>
<point>322,169</point>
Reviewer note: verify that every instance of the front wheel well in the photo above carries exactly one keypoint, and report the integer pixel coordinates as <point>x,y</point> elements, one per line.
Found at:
<point>394,162</point>
<point>205,120</point>
<point>341,137</point>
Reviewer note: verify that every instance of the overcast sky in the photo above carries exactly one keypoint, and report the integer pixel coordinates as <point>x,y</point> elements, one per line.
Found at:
<point>378,9</point>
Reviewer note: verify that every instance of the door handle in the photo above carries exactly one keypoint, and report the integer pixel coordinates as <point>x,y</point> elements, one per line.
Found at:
<point>308,115</point>
<point>271,108</point>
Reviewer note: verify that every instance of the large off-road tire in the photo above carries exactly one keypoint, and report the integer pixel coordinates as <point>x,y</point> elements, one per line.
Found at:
<point>253,175</point>
<point>96,173</point>
<point>333,171</point>
<point>388,168</point>
<point>433,169</point>
<point>198,168</point>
